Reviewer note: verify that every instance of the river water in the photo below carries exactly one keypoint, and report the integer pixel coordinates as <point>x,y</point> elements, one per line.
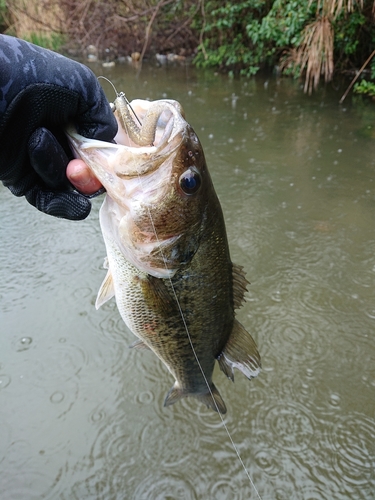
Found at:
<point>82,416</point>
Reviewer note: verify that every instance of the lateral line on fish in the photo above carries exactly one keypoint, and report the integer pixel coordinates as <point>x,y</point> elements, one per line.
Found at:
<point>193,349</point>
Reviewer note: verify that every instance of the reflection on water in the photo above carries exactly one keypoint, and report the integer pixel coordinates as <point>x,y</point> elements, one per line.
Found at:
<point>82,416</point>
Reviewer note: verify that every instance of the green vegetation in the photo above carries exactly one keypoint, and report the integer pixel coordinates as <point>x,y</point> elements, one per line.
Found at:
<point>249,35</point>
<point>52,41</point>
<point>313,39</point>
<point>3,14</point>
<point>365,87</point>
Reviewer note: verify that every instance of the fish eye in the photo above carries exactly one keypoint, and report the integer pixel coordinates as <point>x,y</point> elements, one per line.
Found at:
<point>190,181</point>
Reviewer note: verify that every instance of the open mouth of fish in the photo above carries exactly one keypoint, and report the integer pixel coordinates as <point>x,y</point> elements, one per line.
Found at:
<point>148,132</point>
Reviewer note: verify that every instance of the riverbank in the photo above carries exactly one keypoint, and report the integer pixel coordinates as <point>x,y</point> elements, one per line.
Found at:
<point>315,40</point>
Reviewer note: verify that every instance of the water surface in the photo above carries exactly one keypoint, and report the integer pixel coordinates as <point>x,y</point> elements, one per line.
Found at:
<point>81,415</point>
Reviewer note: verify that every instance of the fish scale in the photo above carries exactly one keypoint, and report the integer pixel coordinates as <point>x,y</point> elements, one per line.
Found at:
<point>169,266</point>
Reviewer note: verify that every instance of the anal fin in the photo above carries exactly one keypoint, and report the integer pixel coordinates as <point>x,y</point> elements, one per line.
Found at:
<point>139,344</point>
<point>240,352</point>
<point>212,399</point>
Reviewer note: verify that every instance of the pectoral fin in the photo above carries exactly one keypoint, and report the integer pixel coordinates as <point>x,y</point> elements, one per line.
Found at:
<point>211,398</point>
<point>158,297</point>
<point>106,291</point>
<point>240,352</point>
<point>139,344</point>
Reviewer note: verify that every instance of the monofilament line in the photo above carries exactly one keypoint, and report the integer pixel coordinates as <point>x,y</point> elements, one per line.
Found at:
<point>198,362</point>
<point>193,349</point>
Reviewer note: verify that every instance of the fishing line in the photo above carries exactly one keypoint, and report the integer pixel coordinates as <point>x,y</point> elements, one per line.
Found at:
<point>120,94</point>
<point>197,359</point>
<point>188,333</point>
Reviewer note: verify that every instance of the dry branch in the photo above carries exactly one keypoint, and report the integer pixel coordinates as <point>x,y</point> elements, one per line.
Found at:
<point>114,27</point>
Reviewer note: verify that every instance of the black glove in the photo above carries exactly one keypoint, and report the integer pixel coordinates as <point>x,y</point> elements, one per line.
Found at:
<point>41,92</point>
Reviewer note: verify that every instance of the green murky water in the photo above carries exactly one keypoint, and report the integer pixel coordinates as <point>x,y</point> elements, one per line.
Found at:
<point>81,415</point>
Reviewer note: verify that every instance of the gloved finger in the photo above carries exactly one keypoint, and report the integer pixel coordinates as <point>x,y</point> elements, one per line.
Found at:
<point>67,205</point>
<point>99,121</point>
<point>48,159</point>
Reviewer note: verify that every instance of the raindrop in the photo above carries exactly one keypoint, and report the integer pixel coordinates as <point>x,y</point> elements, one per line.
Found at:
<point>276,296</point>
<point>4,381</point>
<point>145,397</point>
<point>166,487</point>
<point>334,399</point>
<point>293,426</point>
<point>97,416</point>
<point>57,397</point>
<point>24,344</point>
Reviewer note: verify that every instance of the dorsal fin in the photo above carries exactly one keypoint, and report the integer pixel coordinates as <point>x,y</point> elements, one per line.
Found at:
<point>239,285</point>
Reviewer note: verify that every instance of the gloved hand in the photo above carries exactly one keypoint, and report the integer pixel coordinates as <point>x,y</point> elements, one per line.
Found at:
<point>41,92</point>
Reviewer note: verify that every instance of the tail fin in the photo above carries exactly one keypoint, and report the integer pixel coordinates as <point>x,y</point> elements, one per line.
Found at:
<point>211,398</point>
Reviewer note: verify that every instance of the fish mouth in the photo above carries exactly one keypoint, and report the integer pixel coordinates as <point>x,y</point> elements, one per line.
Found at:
<point>137,151</point>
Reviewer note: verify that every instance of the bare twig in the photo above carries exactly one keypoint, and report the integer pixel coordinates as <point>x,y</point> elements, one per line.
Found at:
<point>148,28</point>
<point>137,15</point>
<point>182,26</point>
<point>202,30</point>
<point>357,76</point>
<point>124,26</point>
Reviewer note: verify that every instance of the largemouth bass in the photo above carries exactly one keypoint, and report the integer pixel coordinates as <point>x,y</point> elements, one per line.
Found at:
<point>168,261</point>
